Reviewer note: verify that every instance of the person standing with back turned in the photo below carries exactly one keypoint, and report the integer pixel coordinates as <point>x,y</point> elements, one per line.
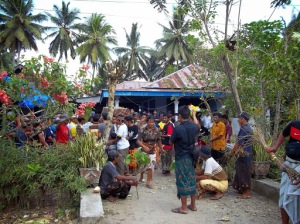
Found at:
<point>289,201</point>
<point>183,138</point>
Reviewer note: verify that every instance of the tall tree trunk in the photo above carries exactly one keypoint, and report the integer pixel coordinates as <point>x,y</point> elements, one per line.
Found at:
<point>232,82</point>
<point>114,71</point>
<point>277,115</point>
<point>110,105</point>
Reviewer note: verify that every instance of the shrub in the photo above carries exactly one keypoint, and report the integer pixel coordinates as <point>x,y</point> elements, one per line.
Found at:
<point>39,177</point>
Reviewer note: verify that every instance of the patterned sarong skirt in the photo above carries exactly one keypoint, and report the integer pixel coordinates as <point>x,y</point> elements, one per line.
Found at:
<point>185,177</point>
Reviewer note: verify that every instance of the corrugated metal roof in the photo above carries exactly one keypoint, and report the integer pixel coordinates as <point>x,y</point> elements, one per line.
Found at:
<point>131,85</point>
<point>188,77</point>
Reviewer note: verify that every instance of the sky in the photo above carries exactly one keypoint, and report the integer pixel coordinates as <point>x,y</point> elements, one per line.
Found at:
<point>122,13</point>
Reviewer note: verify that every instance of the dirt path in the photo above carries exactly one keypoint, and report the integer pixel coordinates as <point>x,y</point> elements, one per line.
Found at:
<point>154,206</point>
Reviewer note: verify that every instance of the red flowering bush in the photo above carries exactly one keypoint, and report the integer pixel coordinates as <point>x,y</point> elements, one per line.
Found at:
<point>4,98</point>
<point>40,79</point>
<point>85,109</point>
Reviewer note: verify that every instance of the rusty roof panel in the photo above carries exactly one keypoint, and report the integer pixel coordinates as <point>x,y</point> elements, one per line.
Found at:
<point>188,77</point>
<point>131,85</point>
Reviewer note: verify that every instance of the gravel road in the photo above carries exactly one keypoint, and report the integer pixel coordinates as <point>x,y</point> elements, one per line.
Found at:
<point>154,207</point>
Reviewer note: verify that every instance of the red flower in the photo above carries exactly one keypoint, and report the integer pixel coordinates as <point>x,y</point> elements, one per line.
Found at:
<point>80,112</point>
<point>3,74</point>
<point>91,104</point>
<point>44,82</point>
<point>22,89</point>
<point>48,60</point>
<point>78,86</point>
<point>61,98</point>
<point>85,67</point>
<point>4,98</point>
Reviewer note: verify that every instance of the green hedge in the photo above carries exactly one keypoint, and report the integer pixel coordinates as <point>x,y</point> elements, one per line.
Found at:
<point>32,177</point>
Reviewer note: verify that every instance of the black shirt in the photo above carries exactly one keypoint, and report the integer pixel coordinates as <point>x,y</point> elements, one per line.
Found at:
<point>133,132</point>
<point>184,140</point>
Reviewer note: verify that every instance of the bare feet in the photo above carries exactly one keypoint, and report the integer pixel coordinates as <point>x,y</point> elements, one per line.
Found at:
<point>217,196</point>
<point>112,199</point>
<point>149,186</point>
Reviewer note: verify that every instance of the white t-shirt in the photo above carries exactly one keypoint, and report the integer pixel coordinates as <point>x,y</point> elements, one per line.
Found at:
<point>207,121</point>
<point>211,167</point>
<point>122,133</point>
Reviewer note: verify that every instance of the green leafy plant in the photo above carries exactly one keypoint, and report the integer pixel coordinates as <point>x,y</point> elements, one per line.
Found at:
<point>141,158</point>
<point>30,179</point>
<point>90,152</point>
<point>259,153</point>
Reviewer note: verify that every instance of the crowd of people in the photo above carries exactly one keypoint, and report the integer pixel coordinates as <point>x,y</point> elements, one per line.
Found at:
<point>190,139</point>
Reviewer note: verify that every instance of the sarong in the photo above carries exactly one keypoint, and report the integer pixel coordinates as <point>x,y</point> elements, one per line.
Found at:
<point>242,177</point>
<point>290,194</point>
<point>212,185</point>
<point>185,177</point>
<point>116,189</point>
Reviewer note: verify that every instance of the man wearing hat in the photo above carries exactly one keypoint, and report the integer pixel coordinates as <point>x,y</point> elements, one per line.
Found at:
<point>112,184</point>
<point>62,130</point>
<point>243,150</point>
<point>211,177</point>
<point>72,126</point>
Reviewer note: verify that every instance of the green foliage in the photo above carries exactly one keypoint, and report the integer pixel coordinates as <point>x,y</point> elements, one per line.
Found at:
<point>27,174</point>
<point>20,28</point>
<point>63,34</point>
<point>90,153</point>
<point>141,158</point>
<point>259,153</point>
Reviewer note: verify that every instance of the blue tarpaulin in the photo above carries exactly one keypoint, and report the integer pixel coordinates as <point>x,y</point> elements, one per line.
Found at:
<point>37,100</point>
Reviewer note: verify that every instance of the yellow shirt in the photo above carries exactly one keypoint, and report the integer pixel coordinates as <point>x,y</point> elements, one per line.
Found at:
<point>161,125</point>
<point>72,128</point>
<point>216,130</point>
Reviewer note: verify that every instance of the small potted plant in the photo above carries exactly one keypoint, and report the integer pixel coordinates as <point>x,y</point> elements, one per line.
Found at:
<point>92,157</point>
<point>261,161</point>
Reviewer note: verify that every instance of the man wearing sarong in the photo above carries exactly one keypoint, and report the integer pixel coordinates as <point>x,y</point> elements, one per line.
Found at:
<point>289,201</point>
<point>112,184</point>
<point>212,177</point>
<point>167,156</point>
<point>243,150</point>
<point>183,138</point>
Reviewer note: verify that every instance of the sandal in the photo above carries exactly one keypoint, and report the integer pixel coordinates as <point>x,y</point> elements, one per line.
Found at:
<point>192,209</point>
<point>177,210</point>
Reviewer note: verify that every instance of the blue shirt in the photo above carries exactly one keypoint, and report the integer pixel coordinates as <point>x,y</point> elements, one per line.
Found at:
<point>244,138</point>
<point>20,138</point>
<point>108,174</point>
<point>184,138</point>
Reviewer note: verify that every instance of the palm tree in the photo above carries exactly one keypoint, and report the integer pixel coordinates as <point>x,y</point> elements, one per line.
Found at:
<point>173,45</point>
<point>19,28</point>
<point>136,57</point>
<point>65,21</point>
<point>95,38</point>
<point>6,59</point>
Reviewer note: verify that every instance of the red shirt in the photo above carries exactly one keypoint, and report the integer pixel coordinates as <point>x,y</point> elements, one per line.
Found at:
<point>168,130</point>
<point>62,133</point>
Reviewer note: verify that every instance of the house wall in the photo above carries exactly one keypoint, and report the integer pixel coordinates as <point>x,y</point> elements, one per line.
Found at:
<point>160,104</point>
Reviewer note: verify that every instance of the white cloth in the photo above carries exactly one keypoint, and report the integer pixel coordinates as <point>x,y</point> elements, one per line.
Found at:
<point>152,163</point>
<point>290,194</point>
<point>206,119</point>
<point>211,167</point>
<point>122,133</point>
